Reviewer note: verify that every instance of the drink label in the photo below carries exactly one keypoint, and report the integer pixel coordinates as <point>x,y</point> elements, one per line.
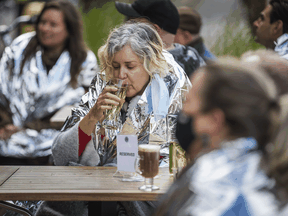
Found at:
<point>127,151</point>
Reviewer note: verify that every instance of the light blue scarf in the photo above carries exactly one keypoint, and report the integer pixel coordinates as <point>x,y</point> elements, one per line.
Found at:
<point>160,97</point>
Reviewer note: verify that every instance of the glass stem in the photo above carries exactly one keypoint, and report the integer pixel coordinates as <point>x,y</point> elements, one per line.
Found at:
<point>150,181</point>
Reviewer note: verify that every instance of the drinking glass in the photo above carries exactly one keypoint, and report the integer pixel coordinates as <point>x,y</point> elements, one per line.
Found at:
<point>111,116</point>
<point>147,165</point>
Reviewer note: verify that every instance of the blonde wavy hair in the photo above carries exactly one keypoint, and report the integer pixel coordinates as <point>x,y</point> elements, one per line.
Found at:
<point>144,41</point>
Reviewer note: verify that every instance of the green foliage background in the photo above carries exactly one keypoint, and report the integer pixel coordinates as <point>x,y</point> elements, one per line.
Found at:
<point>97,24</point>
<point>235,41</point>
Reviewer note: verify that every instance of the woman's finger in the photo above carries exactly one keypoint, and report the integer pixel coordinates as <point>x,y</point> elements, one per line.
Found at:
<point>109,89</point>
<point>109,96</point>
<point>104,107</point>
<point>110,102</point>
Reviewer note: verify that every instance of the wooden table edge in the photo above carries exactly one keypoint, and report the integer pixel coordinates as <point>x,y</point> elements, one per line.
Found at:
<point>79,195</point>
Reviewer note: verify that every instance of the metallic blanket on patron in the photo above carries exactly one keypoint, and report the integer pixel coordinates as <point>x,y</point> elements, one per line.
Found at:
<point>140,118</point>
<point>35,95</point>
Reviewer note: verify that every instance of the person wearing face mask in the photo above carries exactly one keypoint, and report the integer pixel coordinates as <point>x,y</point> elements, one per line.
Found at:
<point>229,103</point>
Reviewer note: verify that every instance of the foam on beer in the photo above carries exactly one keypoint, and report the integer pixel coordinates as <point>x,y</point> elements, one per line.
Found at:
<point>148,148</point>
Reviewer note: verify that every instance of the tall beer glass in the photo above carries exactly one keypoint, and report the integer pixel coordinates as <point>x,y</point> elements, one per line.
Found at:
<point>111,116</point>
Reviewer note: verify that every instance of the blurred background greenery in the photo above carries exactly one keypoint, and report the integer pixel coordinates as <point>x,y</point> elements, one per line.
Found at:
<point>97,24</point>
<point>99,21</point>
<point>226,27</point>
<point>235,42</point>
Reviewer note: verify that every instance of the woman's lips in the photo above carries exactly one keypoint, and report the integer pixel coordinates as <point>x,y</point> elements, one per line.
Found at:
<point>45,36</point>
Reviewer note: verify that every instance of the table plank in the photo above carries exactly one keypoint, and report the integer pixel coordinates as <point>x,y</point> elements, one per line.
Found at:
<point>6,172</point>
<point>57,183</point>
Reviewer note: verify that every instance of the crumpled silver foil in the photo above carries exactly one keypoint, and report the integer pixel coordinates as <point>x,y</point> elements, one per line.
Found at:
<point>34,96</point>
<point>140,119</point>
<point>29,205</point>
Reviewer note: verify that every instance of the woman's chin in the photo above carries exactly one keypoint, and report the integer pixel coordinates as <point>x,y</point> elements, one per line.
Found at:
<point>130,95</point>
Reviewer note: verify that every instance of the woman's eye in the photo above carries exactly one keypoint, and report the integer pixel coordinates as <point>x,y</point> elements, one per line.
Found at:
<point>42,22</point>
<point>116,67</point>
<point>53,24</point>
<point>131,67</point>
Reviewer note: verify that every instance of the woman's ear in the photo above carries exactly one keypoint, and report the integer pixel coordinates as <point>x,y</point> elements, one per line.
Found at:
<point>218,119</point>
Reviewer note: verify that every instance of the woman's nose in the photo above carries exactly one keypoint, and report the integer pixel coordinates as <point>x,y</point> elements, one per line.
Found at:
<point>123,73</point>
<point>45,27</point>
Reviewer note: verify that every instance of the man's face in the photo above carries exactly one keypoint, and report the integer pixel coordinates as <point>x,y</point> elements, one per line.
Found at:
<point>264,34</point>
<point>180,37</point>
<point>167,38</point>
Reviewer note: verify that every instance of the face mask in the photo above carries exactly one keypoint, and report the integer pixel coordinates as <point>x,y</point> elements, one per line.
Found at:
<point>185,133</point>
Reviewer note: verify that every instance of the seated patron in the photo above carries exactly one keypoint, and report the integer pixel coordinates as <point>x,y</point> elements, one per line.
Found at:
<point>272,27</point>
<point>133,52</point>
<point>274,161</point>
<point>228,105</point>
<point>163,15</point>
<point>40,73</point>
<point>188,33</point>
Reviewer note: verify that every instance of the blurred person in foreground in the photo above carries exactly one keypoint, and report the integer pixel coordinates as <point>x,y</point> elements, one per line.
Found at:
<point>188,33</point>
<point>40,73</point>
<point>272,27</point>
<point>163,15</point>
<point>229,103</point>
<point>276,67</point>
<point>274,160</point>
<point>133,52</point>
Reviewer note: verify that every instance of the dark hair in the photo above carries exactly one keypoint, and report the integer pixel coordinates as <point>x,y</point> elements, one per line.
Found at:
<point>279,12</point>
<point>275,163</point>
<point>246,95</point>
<point>275,157</point>
<point>75,42</point>
<point>190,20</point>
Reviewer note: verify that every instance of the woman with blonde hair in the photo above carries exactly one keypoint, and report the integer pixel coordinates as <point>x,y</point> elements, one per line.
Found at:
<point>133,52</point>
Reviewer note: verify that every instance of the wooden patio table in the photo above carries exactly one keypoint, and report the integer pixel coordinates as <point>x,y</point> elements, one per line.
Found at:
<point>69,183</point>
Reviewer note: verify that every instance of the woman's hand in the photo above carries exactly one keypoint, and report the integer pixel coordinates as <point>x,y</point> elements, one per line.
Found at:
<point>7,131</point>
<point>104,102</point>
